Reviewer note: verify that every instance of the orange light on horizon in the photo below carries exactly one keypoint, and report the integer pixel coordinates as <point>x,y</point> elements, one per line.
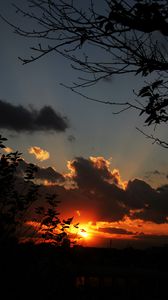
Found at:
<point>83,233</point>
<point>88,233</point>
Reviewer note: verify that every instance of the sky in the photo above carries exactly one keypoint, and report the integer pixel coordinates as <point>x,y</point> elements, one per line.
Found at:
<point>106,173</point>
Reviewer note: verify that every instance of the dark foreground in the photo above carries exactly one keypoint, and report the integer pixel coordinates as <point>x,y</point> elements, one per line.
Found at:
<point>43,272</point>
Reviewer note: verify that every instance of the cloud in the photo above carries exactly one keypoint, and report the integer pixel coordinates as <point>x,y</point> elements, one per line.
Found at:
<point>71,138</point>
<point>154,173</point>
<point>21,119</point>
<point>113,230</point>
<point>148,204</point>
<point>99,196</point>
<point>44,174</point>
<point>94,171</point>
<point>49,174</point>
<point>7,149</point>
<point>152,236</point>
<point>152,239</point>
<point>39,153</point>
<point>97,188</point>
<point>101,190</point>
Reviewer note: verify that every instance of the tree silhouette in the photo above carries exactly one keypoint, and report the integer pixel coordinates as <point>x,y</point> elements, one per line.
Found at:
<point>11,205</point>
<point>16,202</point>
<point>128,37</point>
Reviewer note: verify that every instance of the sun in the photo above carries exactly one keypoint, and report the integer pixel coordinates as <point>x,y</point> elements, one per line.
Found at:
<point>83,233</point>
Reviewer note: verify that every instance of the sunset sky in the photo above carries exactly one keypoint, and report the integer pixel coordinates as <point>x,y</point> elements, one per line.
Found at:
<point>107,175</point>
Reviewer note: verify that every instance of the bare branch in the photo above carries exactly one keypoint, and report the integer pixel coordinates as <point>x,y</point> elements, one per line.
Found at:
<point>154,139</point>
<point>127,37</point>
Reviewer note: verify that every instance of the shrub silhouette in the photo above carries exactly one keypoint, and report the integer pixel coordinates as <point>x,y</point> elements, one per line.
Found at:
<point>16,202</point>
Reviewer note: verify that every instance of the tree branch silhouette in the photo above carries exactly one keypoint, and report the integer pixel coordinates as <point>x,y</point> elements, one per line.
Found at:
<point>127,37</point>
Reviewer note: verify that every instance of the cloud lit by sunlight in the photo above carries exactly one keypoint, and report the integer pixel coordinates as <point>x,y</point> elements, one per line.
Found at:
<point>106,207</point>
<point>7,149</point>
<point>122,184</point>
<point>39,153</point>
<point>78,213</point>
<point>91,233</point>
<point>100,162</point>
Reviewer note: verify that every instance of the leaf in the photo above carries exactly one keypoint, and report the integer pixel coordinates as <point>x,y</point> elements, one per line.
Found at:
<point>111,14</point>
<point>76,225</point>
<point>109,27</point>
<point>147,94</point>
<point>142,111</point>
<point>83,38</point>
<point>149,120</point>
<point>68,221</point>
<point>156,84</point>
<point>101,23</point>
<point>144,90</point>
<point>99,18</point>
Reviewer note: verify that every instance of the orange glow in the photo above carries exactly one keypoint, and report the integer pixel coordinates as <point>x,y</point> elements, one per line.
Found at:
<point>100,162</point>
<point>70,167</point>
<point>83,233</point>
<point>8,150</point>
<point>91,233</point>
<point>49,183</point>
<point>46,182</point>
<point>39,153</point>
<point>76,233</point>
<point>122,184</point>
<point>78,213</point>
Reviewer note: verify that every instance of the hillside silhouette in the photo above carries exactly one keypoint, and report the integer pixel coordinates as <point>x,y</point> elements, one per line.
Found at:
<point>47,272</point>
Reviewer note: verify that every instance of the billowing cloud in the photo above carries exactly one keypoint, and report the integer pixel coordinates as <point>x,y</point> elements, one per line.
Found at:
<point>39,153</point>
<point>97,198</point>
<point>147,203</point>
<point>21,119</point>
<point>113,199</point>
<point>94,171</point>
<point>98,187</point>
<point>97,193</point>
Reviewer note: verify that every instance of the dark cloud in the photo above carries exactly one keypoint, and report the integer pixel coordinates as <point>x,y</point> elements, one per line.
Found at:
<point>152,239</point>
<point>97,196</point>
<point>21,119</point>
<point>143,236</point>
<point>139,194</point>
<point>156,172</point>
<point>112,203</point>
<point>95,181</point>
<point>113,230</point>
<point>149,204</point>
<point>48,174</point>
<point>163,188</point>
<point>90,174</point>
<point>71,138</point>
<point>149,174</point>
